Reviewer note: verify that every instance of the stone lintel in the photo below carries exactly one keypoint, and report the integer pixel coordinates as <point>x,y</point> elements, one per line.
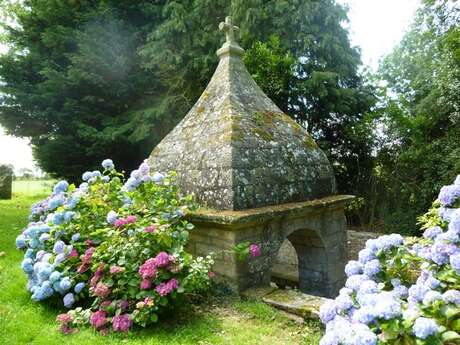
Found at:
<point>235,220</point>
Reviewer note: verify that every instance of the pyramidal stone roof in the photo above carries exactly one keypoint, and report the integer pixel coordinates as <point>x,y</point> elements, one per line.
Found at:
<point>235,149</point>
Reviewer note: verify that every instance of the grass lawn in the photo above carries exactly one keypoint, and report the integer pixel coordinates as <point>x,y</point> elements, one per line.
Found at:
<point>228,321</point>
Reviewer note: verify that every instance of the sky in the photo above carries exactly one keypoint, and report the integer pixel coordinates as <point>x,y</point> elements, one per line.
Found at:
<point>376,26</point>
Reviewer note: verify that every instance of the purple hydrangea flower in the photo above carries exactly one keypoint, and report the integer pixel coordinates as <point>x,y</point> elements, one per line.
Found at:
<point>69,300</point>
<point>112,216</point>
<point>432,232</point>
<point>449,194</point>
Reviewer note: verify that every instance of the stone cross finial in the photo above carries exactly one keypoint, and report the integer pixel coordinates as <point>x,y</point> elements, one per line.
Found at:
<point>229,29</point>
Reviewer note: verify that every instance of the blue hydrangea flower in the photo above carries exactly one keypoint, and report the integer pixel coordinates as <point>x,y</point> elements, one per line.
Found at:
<point>144,168</point>
<point>44,271</point>
<point>76,237</point>
<point>112,216</point>
<point>449,236</point>
<point>30,253</point>
<point>330,338</point>
<point>371,268</point>
<point>343,302</point>
<point>61,187</point>
<point>455,262</point>
<point>86,175</point>
<point>79,287</point>
<point>84,187</point>
<point>451,296</point>
<point>44,237</point>
<point>432,232</point>
<point>364,315</point>
<point>55,202</point>
<point>59,247</point>
<point>387,306</point>
<point>446,213</point>
<point>354,282</point>
<point>363,335</point>
<point>55,276</point>
<point>431,296</point>
<point>424,327</point>
<point>107,164</point>
<point>417,292</point>
<point>157,177</point>
<point>105,178</point>
<point>454,224</point>
<point>65,284</point>
<point>368,286</point>
<point>69,300</point>
<point>27,265</point>
<point>365,255</point>
<point>59,258</point>
<point>449,194</point>
<point>69,215</point>
<point>400,291</point>
<point>21,242</point>
<point>58,218</point>
<point>328,311</point>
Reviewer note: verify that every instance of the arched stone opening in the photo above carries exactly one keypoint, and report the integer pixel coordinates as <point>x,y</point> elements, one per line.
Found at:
<point>285,269</point>
<point>302,262</point>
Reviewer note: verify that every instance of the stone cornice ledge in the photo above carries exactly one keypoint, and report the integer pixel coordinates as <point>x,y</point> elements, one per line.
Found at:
<point>245,218</point>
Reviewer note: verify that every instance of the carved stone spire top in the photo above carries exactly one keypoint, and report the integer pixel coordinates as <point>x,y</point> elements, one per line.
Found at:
<point>231,46</point>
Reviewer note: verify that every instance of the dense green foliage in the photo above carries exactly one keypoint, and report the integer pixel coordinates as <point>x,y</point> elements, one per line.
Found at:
<point>91,79</point>
<point>420,122</point>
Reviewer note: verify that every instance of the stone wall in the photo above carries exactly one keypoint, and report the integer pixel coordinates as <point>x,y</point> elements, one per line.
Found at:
<point>6,181</point>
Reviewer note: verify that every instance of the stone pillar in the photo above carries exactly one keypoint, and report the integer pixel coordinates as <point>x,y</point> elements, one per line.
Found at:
<point>6,181</point>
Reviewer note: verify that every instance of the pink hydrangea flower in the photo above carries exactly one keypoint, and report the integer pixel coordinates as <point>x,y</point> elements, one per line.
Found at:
<point>119,223</point>
<point>105,304</point>
<point>116,269</point>
<point>131,219</point>
<point>73,253</point>
<point>254,250</point>
<point>98,319</point>
<point>166,288</point>
<point>101,290</point>
<point>121,323</point>
<point>86,259</point>
<point>64,318</point>
<point>148,269</point>
<point>83,268</point>
<point>97,275</point>
<point>89,242</point>
<point>162,259</point>
<point>146,284</point>
<point>211,274</point>
<point>150,228</point>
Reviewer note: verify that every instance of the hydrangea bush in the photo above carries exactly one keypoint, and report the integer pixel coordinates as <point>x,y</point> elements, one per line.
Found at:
<point>112,249</point>
<point>403,291</point>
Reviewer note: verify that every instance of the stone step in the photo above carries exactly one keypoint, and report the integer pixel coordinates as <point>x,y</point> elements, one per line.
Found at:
<point>289,300</point>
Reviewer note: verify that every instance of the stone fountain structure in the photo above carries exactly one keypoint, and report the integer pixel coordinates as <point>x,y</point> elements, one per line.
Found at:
<point>259,177</point>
